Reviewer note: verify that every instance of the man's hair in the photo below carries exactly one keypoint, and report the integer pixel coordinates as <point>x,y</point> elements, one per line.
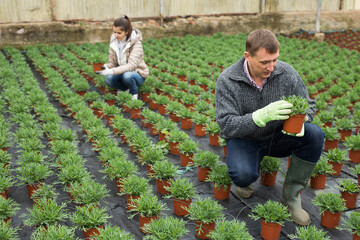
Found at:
<point>261,38</point>
<point>125,24</point>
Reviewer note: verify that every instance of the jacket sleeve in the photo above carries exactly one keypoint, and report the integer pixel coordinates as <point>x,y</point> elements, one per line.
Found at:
<point>135,56</point>
<point>228,112</point>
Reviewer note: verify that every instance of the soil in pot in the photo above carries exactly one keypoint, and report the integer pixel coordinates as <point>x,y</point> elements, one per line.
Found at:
<point>294,123</point>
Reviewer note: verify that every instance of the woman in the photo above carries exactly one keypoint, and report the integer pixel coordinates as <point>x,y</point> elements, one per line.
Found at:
<point>126,68</point>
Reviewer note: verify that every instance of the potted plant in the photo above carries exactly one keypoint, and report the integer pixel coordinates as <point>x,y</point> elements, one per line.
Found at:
<point>174,138</point>
<point>221,181</point>
<point>135,106</point>
<point>269,167</point>
<point>87,191</point>
<point>165,228</point>
<point>6,181</point>
<point>109,111</point>
<point>331,206</point>
<point>145,91</point>
<point>45,212</point>
<point>163,172</point>
<point>187,149</point>
<point>352,224</point>
<point>148,207</point>
<point>318,176</point>
<point>200,121</point>
<point>298,112</point>
<point>233,229</point>
<point>349,191</point>
<point>205,161</point>
<point>162,100</point>
<point>33,174</point>
<point>109,98</point>
<point>332,137</point>
<point>133,187</point>
<point>89,218</point>
<point>45,191</point>
<point>205,212</point>
<point>353,144</point>
<point>164,127</point>
<point>119,169</point>
<point>336,157</point>
<point>182,191</point>
<point>97,59</point>
<point>149,156</point>
<point>213,129</point>
<point>8,208</point>
<point>7,231</point>
<point>71,173</point>
<point>172,107</point>
<point>91,96</point>
<point>309,233</point>
<point>122,97</point>
<point>273,215</point>
<point>185,115</point>
<point>5,158</point>
<point>56,231</point>
<point>111,232</point>
<point>345,126</point>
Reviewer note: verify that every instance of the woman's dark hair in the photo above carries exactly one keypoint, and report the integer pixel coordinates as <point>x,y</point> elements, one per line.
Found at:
<point>262,38</point>
<point>125,24</point>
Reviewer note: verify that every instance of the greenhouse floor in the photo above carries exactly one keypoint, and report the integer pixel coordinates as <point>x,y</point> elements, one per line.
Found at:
<point>235,207</point>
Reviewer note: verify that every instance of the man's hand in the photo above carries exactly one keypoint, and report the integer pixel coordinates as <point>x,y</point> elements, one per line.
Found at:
<point>278,110</point>
<point>106,71</point>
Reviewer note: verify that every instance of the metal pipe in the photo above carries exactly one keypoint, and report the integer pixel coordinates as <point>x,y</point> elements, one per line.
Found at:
<point>162,13</point>
<point>317,27</point>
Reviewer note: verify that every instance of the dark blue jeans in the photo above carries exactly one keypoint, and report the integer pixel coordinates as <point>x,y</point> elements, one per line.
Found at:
<point>125,81</point>
<point>244,156</point>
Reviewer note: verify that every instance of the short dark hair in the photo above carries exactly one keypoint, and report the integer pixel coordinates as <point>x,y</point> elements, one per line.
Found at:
<point>124,23</point>
<point>261,38</point>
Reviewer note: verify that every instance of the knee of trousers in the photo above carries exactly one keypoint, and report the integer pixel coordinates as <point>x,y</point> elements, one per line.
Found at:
<point>243,178</point>
<point>315,137</point>
<point>127,79</point>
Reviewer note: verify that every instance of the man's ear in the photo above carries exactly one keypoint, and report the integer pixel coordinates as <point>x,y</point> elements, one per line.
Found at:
<point>246,55</point>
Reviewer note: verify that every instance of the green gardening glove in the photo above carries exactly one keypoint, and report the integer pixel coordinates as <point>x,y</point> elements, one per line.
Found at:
<point>278,110</point>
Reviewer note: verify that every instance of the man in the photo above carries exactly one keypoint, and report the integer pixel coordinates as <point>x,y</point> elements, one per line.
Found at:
<point>250,114</point>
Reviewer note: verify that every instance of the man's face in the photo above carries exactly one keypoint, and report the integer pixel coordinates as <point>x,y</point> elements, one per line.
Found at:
<point>119,33</point>
<point>262,64</point>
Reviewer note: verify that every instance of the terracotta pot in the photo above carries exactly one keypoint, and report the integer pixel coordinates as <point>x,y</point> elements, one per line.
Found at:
<point>225,151</point>
<point>203,173</point>
<point>294,123</point>
<point>327,124</point>
<point>268,179</point>
<point>270,231</point>
<point>129,201</point>
<point>153,130</point>
<point>214,139</point>
<point>4,194</point>
<point>330,220</point>
<point>149,170</point>
<point>199,130</point>
<point>179,206</point>
<point>205,229</point>
<point>80,93</point>
<point>182,78</point>
<point>92,232</point>
<point>220,193</point>
<point>119,184</point>
<point>110,102</point>
<point>350,199</point>
<point>330,144</point>
<point>145,220</point>
<point>145,97</point>
<point>4,149</point>
<point>186,123</point>
<point>162,109</point>
<point>135,113</point>
<point>344,134</point>
<point>356,237</point>
<point>97,66</point>
<point>354,156</point>
<point>162,136</point>
<point>174,118</point>
<point>186,160</point>
<point>190,106</point>
<point>337,168</point>
<point>160,184</point>
<point>174,148</point>
<point>109,120</point>
<point>123,139</point>
<point>153,105</point>
<point>125,108</point>
<point>318,182</point>
<point>31,188</point>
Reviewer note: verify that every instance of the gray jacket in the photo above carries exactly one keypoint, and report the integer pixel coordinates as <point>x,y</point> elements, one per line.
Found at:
<point>236,99</point>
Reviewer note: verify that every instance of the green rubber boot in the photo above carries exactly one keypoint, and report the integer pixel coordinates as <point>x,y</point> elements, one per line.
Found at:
<point>296,180</point>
